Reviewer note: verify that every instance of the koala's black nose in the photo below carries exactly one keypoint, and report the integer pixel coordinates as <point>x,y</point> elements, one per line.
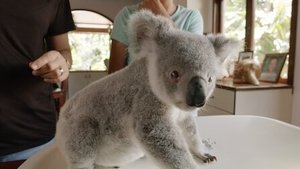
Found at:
<point>195,93</point>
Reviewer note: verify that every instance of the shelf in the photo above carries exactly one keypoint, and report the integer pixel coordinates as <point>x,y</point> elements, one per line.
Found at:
<point>229,85</point>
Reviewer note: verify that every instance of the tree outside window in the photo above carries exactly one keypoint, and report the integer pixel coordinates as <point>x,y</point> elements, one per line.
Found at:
<point>89,50</point>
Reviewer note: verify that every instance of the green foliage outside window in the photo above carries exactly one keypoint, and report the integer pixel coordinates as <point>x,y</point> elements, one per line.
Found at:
<point>235,22</point>
<point>89,50</point>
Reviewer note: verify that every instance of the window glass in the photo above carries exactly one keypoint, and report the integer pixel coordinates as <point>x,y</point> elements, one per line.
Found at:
<point>272,28</point>
<point>90,42</point>
<point>235,22</point>
<point>89,50</point>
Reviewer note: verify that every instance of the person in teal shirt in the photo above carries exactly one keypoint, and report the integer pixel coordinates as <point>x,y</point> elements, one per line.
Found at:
<point>183,18</point>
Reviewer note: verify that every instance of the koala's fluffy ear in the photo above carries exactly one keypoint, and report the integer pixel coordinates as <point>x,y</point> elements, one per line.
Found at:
<point>224,47</point>
<point>144,26</point>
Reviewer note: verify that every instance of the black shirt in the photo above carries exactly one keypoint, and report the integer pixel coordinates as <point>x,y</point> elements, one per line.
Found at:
<point>27,110</point>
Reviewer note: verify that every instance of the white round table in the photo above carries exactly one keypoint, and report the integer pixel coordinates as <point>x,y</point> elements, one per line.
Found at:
<point>239,142</point>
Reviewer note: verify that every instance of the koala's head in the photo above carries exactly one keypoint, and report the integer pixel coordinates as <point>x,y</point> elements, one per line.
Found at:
<point>182,66</point>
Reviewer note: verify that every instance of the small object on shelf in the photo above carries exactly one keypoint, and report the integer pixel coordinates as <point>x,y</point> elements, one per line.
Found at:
<point>245,55</point>
<point>247,71</point>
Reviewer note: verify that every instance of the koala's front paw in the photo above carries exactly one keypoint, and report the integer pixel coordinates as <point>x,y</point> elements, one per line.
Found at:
<point>207,158</point>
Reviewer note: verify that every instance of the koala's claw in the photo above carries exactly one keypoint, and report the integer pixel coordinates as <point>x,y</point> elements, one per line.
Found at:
<point>209,158</point>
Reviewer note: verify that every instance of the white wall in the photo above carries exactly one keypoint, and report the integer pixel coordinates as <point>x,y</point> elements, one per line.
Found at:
<point>181,2</point>
<point>194,4</point>
<point>206,7</point>
<point>296,96</point>
<point>108,8</point>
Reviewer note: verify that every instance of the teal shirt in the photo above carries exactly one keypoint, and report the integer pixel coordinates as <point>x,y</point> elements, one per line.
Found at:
<point>185,19</point>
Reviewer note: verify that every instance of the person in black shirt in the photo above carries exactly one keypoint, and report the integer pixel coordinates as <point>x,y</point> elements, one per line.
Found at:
<point>34,54</point>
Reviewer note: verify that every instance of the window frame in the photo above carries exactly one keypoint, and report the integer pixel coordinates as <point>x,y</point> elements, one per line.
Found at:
<point>218,20</point>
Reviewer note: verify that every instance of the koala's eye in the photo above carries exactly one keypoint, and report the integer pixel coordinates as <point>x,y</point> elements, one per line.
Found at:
<point>175,75</point>
<point>209,80</point>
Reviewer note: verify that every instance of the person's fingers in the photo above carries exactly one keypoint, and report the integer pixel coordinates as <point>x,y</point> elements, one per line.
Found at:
<point>49,67</point>
<point>58,80</point>
<point>54,74</point>
<point>61,78</point>
<point>44,59</point>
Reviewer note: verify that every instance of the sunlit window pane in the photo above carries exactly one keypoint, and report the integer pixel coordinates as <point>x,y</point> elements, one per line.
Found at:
<point>90,44</point>
<point>235,21</point>
<point>89,50</point>
<point>272,26</point>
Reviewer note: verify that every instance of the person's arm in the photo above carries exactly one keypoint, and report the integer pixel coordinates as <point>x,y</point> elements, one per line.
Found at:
<point>117,59</point>
<point>118,52</point>
<point>53,66</point>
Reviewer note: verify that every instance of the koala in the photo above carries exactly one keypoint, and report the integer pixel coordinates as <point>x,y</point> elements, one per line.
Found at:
<point>145,109</point>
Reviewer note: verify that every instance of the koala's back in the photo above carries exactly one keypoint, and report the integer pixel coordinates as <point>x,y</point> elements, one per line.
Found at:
<point>109,98</point>
<point>101,115</point>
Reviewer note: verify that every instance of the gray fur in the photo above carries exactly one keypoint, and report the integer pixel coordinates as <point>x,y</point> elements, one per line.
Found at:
<point>140,110</point>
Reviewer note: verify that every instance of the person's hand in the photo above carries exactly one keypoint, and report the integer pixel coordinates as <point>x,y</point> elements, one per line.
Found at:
<point>155,6</point>
<point>51,66</point>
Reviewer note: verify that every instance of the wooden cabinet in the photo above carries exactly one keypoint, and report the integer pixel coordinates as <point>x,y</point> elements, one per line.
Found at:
<point>269,100</point>
<point>223,100</point>
<point>80,79</point>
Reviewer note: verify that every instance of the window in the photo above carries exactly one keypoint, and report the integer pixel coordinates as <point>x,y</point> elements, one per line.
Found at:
<point>235,21</point>
<point>90,42</point>
<point>272,28</point>
<point>265,26</point>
